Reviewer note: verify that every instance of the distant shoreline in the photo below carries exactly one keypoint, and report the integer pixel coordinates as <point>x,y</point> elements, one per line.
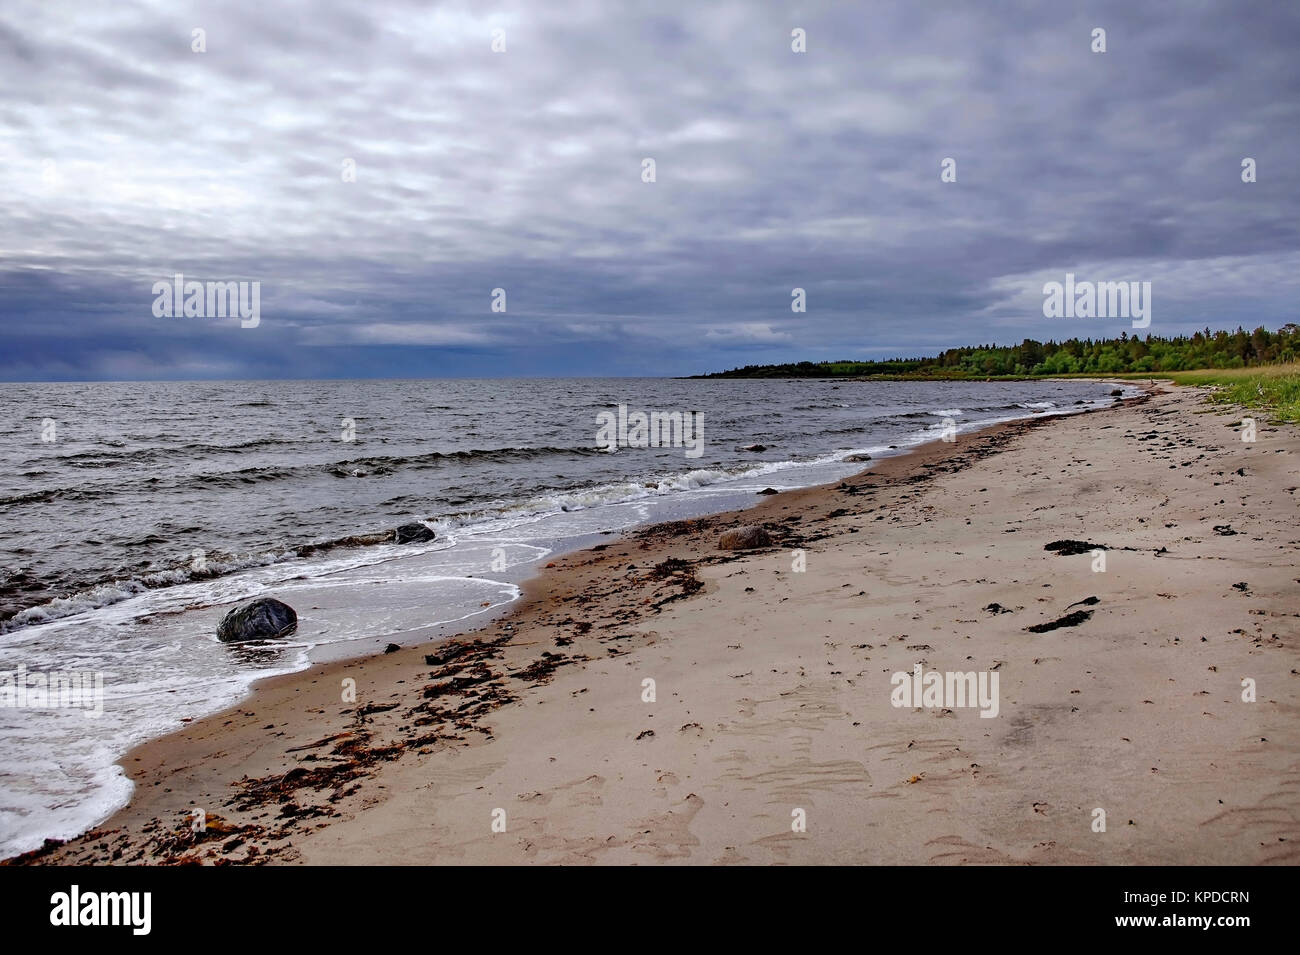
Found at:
<point>1125,356</point>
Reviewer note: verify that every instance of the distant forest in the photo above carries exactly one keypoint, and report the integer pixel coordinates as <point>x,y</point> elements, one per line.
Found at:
<point>1207,349</point>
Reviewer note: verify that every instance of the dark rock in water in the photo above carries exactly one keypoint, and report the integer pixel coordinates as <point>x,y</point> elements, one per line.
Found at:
<point>857,457</point>
<point>1117,393</point>
<point>263,619</point>
<point>1069,548</point>
<point>744,538</point>
<point>769,490</point>
<point>754,447</point>
<point>413,534</point>
<point>392,648</point>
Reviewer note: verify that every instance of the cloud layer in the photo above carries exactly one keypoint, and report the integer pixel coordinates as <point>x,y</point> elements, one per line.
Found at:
<point>129,157</point>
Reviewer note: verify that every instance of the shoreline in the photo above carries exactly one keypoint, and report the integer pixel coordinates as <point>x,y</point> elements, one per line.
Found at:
<point>321,769</point>
<point>368,635</point>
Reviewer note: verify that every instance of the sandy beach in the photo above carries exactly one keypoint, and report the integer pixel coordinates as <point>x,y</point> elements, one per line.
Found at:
<point>768,734</point>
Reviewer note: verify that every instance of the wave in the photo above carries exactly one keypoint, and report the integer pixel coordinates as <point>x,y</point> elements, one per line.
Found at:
<point>104,593</point>
<point>105,459</point>
<point>387,464</point>
<point>383,464</point>
<point>34,497</point>
<point>351,468</point>
<point>108,592</point>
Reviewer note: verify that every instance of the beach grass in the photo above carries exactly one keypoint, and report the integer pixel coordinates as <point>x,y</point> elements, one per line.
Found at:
<point>1273,389</point>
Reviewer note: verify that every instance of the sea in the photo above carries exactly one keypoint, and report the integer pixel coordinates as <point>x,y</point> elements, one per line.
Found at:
<point>133,516</point>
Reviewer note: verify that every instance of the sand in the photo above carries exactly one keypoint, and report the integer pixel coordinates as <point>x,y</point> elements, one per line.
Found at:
<point>771,737</point>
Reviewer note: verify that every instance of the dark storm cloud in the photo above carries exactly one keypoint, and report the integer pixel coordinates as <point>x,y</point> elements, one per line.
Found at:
<point>128,158</point>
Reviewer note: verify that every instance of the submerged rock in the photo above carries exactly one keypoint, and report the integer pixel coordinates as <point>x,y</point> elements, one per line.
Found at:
<point>744,538</point>
<point>413,534</point>
<point>754,447</point>
<point>263,619</point>
<point>852,458</point>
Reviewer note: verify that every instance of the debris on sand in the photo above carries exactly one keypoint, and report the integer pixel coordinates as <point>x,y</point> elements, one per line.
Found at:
<point>744,538</point>
<point>539,671</point>
<point>1069,620</point>
<point>1071,548</point>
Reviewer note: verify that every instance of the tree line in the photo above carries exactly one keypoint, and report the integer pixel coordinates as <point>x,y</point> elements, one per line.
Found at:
<point>1204,349</point>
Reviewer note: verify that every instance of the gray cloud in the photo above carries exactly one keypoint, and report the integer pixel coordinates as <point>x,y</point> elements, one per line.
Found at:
<point>129,157</point>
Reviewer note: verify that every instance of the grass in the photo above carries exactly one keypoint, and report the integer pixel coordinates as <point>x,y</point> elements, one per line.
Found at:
<point>1273,389</point>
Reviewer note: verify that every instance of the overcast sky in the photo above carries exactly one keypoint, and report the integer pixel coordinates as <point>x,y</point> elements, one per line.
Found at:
<point>126,157</point>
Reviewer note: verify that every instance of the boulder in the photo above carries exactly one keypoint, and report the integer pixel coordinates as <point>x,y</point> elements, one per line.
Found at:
<point>263,619</point>
<point>413,534</point>
<point>744,538</point>
<point>853,458</point>
<point>754,447</point>
<point>769,490</point>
